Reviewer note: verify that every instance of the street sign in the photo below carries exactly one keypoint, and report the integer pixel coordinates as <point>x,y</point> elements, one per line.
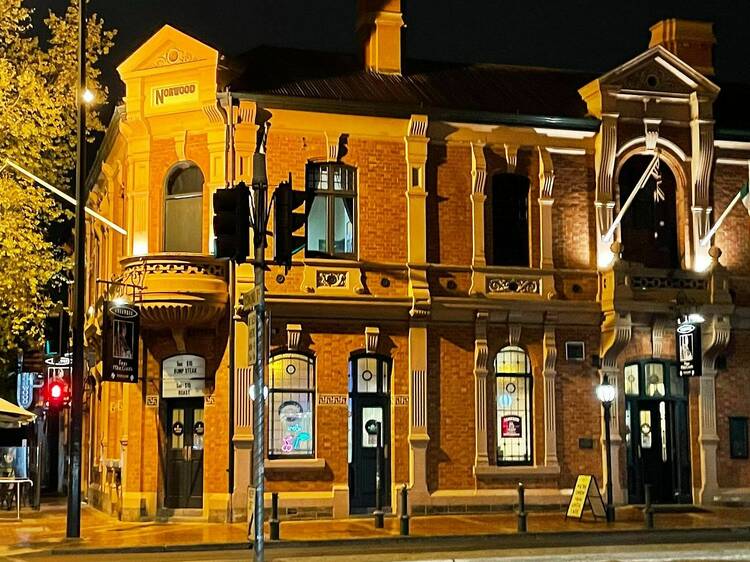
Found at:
<point>689,354</point>
<point>584,494</point>
<point>25,389</point>
<point>120,341</point>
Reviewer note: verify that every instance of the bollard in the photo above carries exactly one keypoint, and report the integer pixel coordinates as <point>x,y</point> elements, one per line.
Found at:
<point>521,509</point>
<point>648,509</point>
<point>404,511</point>
<point>274,523</point>
<point>378,513</point>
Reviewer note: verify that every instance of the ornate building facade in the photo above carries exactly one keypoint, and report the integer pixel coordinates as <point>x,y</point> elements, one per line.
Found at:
<point>466,280</point>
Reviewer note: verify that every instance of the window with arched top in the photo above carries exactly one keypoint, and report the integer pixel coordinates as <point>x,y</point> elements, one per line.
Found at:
<point>183,209</point>
<point>513,400</point>
<point>291,405</point>
<point>509,232</point>
<point>649,226</point>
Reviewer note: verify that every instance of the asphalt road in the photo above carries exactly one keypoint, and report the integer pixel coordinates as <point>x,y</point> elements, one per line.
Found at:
<point>661,553</point>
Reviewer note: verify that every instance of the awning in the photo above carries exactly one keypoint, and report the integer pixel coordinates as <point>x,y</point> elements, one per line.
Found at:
<point>14,416</point>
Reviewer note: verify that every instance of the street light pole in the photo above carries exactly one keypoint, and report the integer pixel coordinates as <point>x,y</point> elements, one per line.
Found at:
<point>73,527</point>
<point>606,393</point>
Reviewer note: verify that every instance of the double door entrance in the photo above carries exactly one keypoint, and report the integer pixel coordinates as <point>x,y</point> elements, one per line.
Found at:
<point>184,432</point>
<point>657,433</point>
<point>369,424</point>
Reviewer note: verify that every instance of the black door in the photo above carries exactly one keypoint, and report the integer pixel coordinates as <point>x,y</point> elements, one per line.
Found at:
<point>369,403</point>
<point>184,438</point>
<point>657,433</point>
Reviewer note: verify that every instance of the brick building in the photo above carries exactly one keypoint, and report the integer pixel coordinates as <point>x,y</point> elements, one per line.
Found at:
<point>458,282</point>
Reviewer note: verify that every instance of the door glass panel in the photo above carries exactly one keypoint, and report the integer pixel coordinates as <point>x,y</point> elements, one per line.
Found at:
<point>645,429</point>
<point>349,421</point>
<point>367,374</point>
<point>199,429</point>
<point>663,427</point>
<point>654,378</point>
<point>631,380</point>
<point>369,431</point>
<point>627,424</point>
<point>177,431</point>
<point>676,383</point>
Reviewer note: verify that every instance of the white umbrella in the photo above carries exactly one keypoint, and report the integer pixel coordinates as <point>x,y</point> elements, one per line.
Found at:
<point>14,416</point>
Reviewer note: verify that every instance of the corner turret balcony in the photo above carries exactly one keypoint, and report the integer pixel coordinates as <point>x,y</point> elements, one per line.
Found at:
<point>179,290</point>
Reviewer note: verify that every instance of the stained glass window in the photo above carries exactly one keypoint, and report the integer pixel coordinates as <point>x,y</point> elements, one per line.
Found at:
<point>513,392</point>
<point>291,405</point>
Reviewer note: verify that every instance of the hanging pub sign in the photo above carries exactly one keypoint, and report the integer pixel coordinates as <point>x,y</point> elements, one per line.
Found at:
<point>183,376</point>
<point>120,340</point>
<point>689,355</point>
<point>25,389</point>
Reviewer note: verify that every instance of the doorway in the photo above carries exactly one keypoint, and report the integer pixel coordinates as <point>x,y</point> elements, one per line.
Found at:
<point>185,430</point>
<point>657,433</point>
<point>369,403</point>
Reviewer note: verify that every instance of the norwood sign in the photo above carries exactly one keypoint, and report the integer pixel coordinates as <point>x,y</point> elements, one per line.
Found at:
<point>172,95</point>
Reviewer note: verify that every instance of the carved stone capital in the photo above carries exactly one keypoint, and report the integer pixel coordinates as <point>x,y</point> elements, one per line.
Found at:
<point>715,335</point>
<point>372,335</point>
<point>511,157</point>
<point>478,168</point>
<point>293,336</point>
<point>617,330</point>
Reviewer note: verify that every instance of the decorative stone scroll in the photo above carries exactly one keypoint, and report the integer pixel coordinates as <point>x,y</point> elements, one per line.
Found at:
<point>331,278</point>
<point>401,400</point>
<point>332,399</point>
<point>497,285</point>
<point>174,55</point>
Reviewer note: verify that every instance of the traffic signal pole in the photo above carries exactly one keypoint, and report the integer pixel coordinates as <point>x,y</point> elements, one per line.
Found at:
<point>73,526</point>
<point>260,189</point>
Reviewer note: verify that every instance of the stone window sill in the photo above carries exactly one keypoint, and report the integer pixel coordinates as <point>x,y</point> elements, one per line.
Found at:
<point>295,464</point>
<point>515,472</point>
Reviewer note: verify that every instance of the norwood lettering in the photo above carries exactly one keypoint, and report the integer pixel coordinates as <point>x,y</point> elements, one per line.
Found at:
<point>172,91</point>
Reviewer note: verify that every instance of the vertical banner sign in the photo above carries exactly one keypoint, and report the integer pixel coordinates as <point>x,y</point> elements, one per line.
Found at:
<point>120,341</point>
<point>25,389</point>
<point>689,354</point>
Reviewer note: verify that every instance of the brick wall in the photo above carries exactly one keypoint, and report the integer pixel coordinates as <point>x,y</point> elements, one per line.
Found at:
<point>732,237</point>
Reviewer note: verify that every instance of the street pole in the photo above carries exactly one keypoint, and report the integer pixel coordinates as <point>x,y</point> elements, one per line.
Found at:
<point>607,445</point>
<point>260,188</point>
<point>73,527</point>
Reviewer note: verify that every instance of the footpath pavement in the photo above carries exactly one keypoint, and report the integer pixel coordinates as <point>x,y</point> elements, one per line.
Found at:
<point>44,531</point>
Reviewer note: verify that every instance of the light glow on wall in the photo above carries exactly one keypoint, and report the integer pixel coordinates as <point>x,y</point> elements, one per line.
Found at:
<point>140,245</point>
<point>702,262</point>
<point>604,258</point>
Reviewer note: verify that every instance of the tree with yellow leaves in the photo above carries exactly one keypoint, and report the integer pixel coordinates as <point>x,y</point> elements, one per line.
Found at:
<point>38,85</point>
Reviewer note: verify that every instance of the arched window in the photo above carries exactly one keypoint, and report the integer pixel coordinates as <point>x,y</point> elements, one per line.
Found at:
<point>331,218</point>
<point>183,209</point>
<point>513,393</point>
<point>291,405</point>
<point>509,239</point>
<point>649,226</point>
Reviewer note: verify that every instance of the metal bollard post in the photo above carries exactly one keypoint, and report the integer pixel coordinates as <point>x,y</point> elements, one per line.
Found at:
<point>404,511</point>
<point>521,509</point>
<point>274,523</point>
<point>378,513</point>
<point>648,509</point>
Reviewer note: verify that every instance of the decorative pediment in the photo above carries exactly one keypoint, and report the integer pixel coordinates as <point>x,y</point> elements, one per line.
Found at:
<point>168,47</point>
<point>657,70</point>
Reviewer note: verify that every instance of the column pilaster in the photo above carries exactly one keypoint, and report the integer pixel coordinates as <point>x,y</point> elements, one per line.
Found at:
<point>478,197</point>
<point>549,375</point>
<point>418,436</point>
<point>481,457</point>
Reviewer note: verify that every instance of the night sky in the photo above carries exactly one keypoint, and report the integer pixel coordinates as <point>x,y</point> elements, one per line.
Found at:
<point>576,34</point>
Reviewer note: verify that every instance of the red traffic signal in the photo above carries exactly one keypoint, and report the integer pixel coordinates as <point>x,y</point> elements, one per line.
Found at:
<point>57,393</point>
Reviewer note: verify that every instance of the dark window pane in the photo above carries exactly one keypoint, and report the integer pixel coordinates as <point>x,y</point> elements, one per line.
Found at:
<point>183,223</point>
<point>510,220</point>
<point>185,180</point>
<point>317,225</point>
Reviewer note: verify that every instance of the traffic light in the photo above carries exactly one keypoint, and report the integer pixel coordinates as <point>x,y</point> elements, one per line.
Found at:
<point>232,223</point>
<point>288,219</point>
<point>56,393</point>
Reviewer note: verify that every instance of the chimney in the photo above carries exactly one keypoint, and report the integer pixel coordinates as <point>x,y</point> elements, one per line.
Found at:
<point>691,41</point>
<point>379,24</point>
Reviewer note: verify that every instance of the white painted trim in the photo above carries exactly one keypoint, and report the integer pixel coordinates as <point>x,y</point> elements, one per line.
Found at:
<point>662,141</point>
<point>732,145</point>
<point>564,133</point>
<point>570,151</point>
<point>681,75</point>
<point>733,161</point>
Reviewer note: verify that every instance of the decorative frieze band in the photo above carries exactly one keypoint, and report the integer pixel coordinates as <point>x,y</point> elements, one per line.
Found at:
<point>332,399</point>
<point>331,278</point>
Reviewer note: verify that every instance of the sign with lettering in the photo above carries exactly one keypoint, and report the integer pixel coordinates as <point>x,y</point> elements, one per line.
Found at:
<point>585,494</point>
<point>25,389</point>
<point>510,426</point>
<point>689,354</point>
<point>173,95</point>
<point>120,335</point>
<point>183,376</point>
